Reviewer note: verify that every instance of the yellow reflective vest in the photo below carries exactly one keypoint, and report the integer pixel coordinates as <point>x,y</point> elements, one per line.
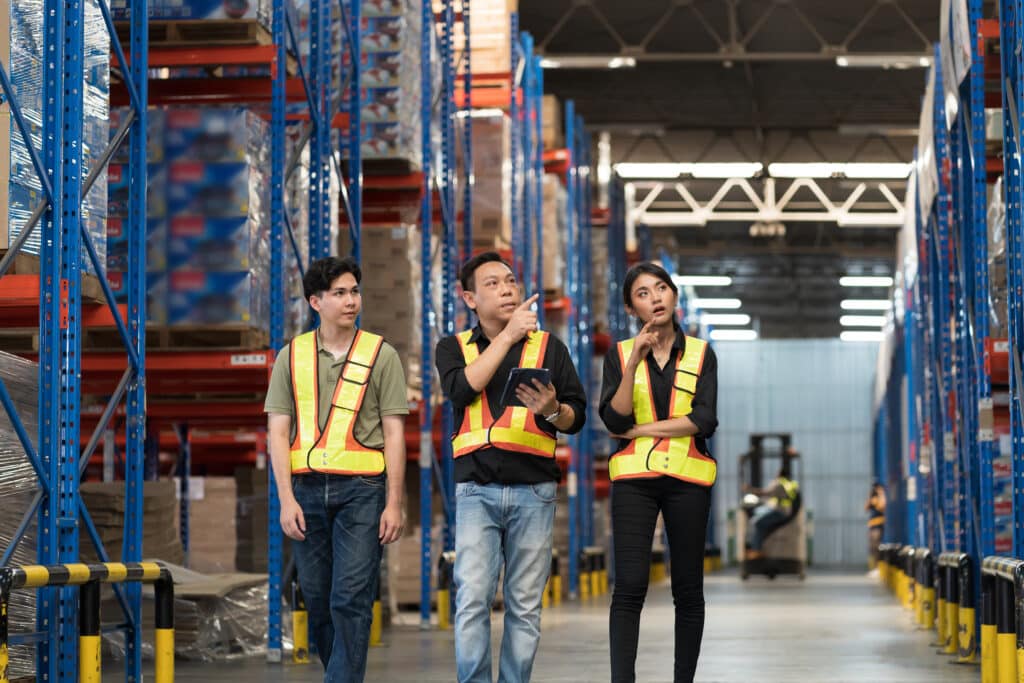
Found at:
<point>791,488</point>
<point>334,450</point>
<point>647,457</point>
<point>516,429</point>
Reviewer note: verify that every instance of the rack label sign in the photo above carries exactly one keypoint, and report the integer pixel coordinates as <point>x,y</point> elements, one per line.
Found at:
<point>243,359</point>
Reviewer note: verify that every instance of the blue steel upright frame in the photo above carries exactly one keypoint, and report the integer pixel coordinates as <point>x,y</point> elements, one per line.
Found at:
<point>59,461</point>
<point>1012,41</point>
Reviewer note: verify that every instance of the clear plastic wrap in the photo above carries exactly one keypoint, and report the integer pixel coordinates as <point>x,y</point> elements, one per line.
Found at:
<point>26,73</point>
<point>217,617</point>
<point>18,485</point>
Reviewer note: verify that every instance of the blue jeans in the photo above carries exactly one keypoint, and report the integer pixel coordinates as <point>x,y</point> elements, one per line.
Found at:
<point>498,523</point>
<point>765,520</point>
<point>339,566</point>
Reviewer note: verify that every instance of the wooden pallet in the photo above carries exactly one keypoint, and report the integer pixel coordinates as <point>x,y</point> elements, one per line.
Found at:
<point>553,294</point>
<point>19,340</point>
<point>28,264</point>
<point>201,32</point>
<point>183,338</point>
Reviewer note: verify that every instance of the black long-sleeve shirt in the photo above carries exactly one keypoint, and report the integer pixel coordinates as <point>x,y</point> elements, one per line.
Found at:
<point>703,412</point>
<point>494,465</point>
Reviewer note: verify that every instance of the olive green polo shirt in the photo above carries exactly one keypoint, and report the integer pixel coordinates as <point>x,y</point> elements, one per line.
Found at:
<point>385,395</point>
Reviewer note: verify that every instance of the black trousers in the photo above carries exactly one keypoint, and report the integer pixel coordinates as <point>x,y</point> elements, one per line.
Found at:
<point>635,507</point>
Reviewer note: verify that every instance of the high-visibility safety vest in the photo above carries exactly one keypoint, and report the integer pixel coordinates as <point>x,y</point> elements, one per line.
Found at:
<point>791,488</point>
<point>334,450</point>
<point>516,429</point>
<point>645,456</point>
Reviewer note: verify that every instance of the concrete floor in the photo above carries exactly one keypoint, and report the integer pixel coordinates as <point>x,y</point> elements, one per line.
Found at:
<point>840,628</point>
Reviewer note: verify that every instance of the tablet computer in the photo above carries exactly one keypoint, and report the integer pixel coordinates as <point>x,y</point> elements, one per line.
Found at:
<point>522,376</point>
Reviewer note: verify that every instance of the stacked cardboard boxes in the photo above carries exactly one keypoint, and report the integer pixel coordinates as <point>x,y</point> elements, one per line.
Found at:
<point>212,540</point>
<point>392,277</point>
<point>551,123</point>
<point>21,31</point>
<point>999,322</point>
<point>492,169</point>
<point>553,226</point>
<point>251,515</point>
<point>106,503</point>
<point>490,35</point>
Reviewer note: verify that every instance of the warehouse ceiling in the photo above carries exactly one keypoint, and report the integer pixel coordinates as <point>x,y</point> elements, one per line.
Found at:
<point>752,80</point>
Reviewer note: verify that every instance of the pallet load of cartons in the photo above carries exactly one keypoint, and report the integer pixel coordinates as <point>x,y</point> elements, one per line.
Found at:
<point>392,277</point>
<point>490,35</point>
<point>553,229</point>
<point>211,546</point>
<point>219,217</point>
<point>296,206</point>
<point>251,519</point>
<point>20,188</point>
<point>18,485</point>
<point>156,217</point>
<point>999,323</point>
<point>196,21</point>
<point>492,181</point>
<point>106,504</point>
<point>391,40</point>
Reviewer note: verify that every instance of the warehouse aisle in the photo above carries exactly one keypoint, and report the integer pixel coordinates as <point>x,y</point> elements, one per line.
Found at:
<point>835,627</point>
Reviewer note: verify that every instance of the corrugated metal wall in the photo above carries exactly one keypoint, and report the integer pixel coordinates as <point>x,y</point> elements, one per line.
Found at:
<point>821,392</point>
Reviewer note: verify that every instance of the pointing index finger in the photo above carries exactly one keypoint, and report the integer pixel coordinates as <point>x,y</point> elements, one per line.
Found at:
<point>529,302</point>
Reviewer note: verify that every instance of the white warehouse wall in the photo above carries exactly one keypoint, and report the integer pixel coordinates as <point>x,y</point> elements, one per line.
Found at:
<point>820,390</point>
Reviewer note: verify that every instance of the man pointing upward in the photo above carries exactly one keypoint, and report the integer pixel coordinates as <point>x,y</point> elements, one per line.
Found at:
<point>505,466</point>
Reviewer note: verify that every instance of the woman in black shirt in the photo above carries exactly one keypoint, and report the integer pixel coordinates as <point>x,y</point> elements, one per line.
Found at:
<point>658,397</point>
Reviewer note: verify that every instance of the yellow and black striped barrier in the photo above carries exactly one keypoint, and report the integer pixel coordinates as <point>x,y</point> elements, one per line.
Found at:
<point>377,623</point>
<point>905,580</point>
<point>300,625</point>
<point>555,580</point>
<point>445,579</point>
<point>593,562</point>
<point>658,572</point>
<point>1002,633</point>
<point>89,577</point>
<point>960,607</point>
<point>884,565</point>
<point>949,579</point>
<point>584,562</point>
<point>924,576</point>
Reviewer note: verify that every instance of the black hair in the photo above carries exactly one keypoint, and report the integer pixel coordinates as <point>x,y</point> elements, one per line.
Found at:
<point>786,470</point>
<point>322,272</point>
<point>470,266</point>
<point>645,269</point>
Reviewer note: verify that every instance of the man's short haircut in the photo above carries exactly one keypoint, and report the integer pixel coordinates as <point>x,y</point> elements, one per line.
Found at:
<point>466,278</point>
<point>322,272</point>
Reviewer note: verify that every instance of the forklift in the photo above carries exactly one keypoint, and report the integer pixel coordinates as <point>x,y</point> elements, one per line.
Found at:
<point>785,546</point>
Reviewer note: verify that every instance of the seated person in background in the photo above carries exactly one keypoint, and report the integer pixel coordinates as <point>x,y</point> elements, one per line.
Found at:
<point>774,511</point>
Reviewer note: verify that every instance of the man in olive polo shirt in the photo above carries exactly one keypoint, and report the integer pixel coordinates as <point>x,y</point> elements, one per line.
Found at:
<point>337,406</point>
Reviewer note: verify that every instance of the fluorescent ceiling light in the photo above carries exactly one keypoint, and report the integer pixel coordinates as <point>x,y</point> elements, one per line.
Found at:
<point>861,336</point>
<point>725,319</point>
<point>866,305</point>
<point>587,62</point>
<point>727,170</point>
<point>669,171</point>
<point>705,304</point>
<point>859,281</point>
<point>862,321</point>
<point>666,171</point>
<point>702,280</point>
<point>884,61</point>
<point>865,171</point>
<point>733,335</point>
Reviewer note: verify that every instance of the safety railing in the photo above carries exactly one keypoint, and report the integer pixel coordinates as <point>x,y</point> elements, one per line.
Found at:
<point>1002,634</point>
<point>88,578</point>
<point>960,603</point>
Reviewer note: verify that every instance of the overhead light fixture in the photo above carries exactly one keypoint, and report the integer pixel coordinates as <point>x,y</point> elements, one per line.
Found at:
<point>733,335</point>
<point>861,336</point>
<point>670,171</point>
<point>725,319</point>
<point>865,304</point>
<point>862,321</point>
<point>884,129</point>
<point>884,61</point>
<point>702,280</point>
<point>587,62</point>
<point>865,281</point>
<point>706,304</point>
<point>862,171</point>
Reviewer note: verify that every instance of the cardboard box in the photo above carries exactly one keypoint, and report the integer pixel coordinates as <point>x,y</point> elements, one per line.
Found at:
<point>156,294</point>
<point>156,190</point>
<point>117,244</point>
<point>214,135</point>
<point>551,123</point>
